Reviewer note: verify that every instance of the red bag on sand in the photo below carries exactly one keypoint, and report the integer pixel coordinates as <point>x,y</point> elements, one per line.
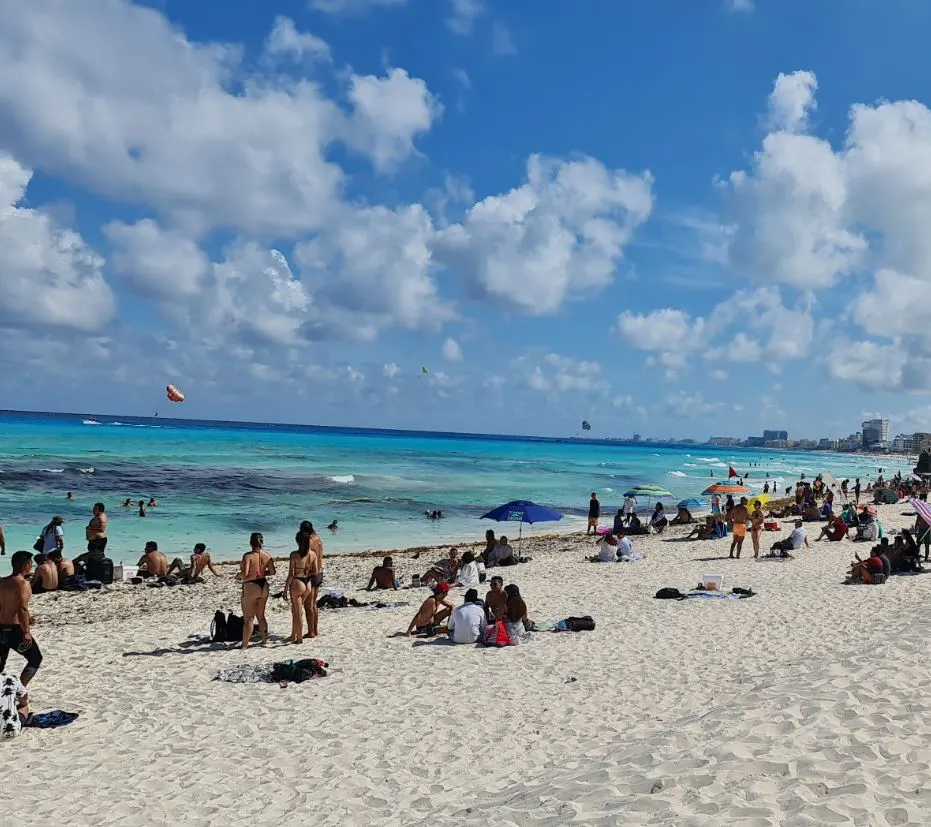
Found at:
<point>771,525</point>
<point>496,634</point>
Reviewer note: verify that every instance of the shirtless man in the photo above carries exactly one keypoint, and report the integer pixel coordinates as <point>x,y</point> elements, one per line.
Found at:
<point>15,620</point>
<point>737,517</point>
<point>496,601</point>
<point>200,560</point>
<point>383,576</point>
<point>96,534</point>
<point>430,614</point>
<point>45,578</point>
<point>757,518</point>
<point>63,564</point>
<point>153,563</point>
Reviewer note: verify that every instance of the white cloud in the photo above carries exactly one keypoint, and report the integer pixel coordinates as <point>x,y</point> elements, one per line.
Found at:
<point>668,330</point>
<point>559,235</point>
<point>127,104</point>
<point>452,352</point>
<point>285,39</point>
<point>554,374</point>
<point>739,5</point>
<point>463,79</point>
<point>389,114</point>
<point>719,375</point>
<point>49,277</point>
<point>792,101</point>
<point>354,376</point>
<point>372,270</point>
<point>463,14</point>
<point>161,263</point>
<point>684,405</point>
<point>502,43</point>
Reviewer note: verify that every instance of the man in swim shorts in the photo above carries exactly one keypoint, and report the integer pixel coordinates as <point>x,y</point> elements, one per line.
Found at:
<point>738,517</point>
<point>15,620</point>
<point>96,534</point>
<point>200,561</point>
<point>432,612</point>
<point>594,512</point>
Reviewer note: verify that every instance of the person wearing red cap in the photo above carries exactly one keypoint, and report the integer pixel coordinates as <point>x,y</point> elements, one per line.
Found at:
<point>432,612</point>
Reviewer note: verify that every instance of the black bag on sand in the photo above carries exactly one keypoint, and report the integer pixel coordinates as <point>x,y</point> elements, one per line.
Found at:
<point>669,594</point>
<point>218,628</point>
<point>234,630</point>
<point>580,624</point>
<point>298,671</point>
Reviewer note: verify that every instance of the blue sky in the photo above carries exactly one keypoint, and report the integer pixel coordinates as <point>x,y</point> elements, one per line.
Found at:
<point>680,219</point>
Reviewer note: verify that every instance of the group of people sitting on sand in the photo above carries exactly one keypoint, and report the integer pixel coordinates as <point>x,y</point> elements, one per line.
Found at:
<point>903,556</point>
<point>503,609</point>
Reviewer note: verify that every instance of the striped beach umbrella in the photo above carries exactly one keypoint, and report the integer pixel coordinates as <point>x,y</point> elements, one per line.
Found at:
<point>648,490</point>
<point>726,487</point>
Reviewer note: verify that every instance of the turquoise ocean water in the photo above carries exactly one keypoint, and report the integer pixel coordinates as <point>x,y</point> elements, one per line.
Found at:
<point>217,482</point>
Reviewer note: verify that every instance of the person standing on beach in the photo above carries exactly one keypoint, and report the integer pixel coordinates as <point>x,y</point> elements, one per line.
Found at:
<point>856,490</point>
<point>53,536</point>
<point>302,566</point>
<point>15,620</point>
<point>96,534</point>
<point>737,516</point>
<point>255,569</point>
<point>757,519</point>
<point>594,512</point>
<point>630,504</point>
<point>316,579</point>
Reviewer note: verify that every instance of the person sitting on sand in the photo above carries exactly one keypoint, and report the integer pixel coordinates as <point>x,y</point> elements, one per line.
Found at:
<point>703,531</point>
<point>45,577</point>
<point>443,571</point>
<point>152,563</point>
<point>254,570</point>
<point>658,519</point>
<point>467,622</point>
<point>797,539</point>
<point>432,612</point>
<point>383,576</point>
<point>496,601</point>
<point>683,517</point>
<point>868,529</point>
<point>63,564</point>
<point>834,531</point>
<point>607,550</point>
<point>490,543</point>
<point>619,520</point>
<point>468,575</point>
<point>200,560</point>
<point>635,526</point>
<point>503,555</point>
<point>515,616</point>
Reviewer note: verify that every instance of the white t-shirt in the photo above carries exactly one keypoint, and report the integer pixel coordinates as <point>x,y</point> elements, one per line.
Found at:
<point>798,537</point>
<point>51,538</point>
<point>624,548</point>
<point>11,691</point>
<point>468,575</point>
<point>607,552</point>
<point>629,504</point>
<point>466,623</point>
<point>503,552</point>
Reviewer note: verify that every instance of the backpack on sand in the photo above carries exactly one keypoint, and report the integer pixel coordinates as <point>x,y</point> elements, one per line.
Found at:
<point>496,634</point>
<point>218,628</point>
<point>669,594</point>
<point>579,624</point>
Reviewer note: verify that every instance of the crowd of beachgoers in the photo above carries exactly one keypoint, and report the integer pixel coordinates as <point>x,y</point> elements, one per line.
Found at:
<point>493,595</point>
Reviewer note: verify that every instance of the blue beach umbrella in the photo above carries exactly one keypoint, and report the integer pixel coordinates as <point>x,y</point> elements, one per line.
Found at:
<point>522,511</point>
<point>692,504</point>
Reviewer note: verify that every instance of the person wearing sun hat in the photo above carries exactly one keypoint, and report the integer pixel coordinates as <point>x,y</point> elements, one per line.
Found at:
<point>432,612</point>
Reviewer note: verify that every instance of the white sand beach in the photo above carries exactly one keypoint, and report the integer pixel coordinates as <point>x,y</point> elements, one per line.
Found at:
<point>803,705</point>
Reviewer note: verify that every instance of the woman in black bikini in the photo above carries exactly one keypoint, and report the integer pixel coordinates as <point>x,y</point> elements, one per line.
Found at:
<point>314,571</point>
<point>302,571</point>
<point>256,567</point>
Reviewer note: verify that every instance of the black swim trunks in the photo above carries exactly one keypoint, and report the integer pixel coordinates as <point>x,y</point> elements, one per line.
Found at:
<point>316,580</point>
<point>11,637</point>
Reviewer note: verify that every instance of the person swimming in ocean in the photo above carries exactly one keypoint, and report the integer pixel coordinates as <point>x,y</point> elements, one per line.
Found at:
<point>334,526</point>
<point>153,503</point>
<point>142,508</point>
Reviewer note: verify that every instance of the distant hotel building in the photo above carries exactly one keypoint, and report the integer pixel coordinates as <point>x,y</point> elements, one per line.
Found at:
<point>875,433</point>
